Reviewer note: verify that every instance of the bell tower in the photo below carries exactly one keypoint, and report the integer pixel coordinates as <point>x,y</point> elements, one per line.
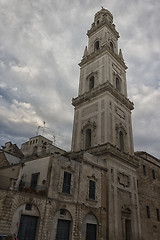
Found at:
<point>102,109</point>
<point>103,128</point>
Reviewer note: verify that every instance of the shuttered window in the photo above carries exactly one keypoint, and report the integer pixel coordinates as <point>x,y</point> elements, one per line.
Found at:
<point>92,189</point>
<point>66,182</point>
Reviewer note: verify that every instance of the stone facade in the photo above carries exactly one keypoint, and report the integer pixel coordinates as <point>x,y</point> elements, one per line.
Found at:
<point>149,195</point>
<point>101,189</point>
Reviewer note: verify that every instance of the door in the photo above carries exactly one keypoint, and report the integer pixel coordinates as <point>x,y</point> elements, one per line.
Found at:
<point>63,230</point>
<point>91,231</point>
<point>27,228</point>
<point>128,229</point>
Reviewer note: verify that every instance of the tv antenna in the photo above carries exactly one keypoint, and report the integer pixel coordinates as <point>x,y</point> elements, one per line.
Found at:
<point>43,128</point>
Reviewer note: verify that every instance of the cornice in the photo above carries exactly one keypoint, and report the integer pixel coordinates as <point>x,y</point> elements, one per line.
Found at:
<point>105,87</point>
<point>103,23</point>
<point>108,149</point>
<point>105,48</point>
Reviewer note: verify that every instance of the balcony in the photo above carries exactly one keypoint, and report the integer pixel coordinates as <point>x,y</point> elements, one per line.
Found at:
<point>8,183</point>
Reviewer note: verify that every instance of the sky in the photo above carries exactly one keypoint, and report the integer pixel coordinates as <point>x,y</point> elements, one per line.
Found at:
<point>41,44</point>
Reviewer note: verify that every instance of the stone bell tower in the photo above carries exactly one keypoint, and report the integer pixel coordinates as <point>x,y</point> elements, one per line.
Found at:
<point>102,109</point>
<point>102,126</point>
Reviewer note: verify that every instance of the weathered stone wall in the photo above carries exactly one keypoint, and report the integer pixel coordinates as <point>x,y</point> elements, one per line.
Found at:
<point>149,195</point>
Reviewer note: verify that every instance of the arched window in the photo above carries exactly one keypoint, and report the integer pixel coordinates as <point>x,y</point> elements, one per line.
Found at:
<point>111,46</point>
<point>96,45</point>
<point>88,138</point>
<point>91,82</point>
<point>118,84</point>
<point>121,140</point>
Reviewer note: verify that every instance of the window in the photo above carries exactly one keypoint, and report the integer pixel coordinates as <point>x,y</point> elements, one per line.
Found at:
<point>157,212</point>
<point>88,138</point>
<point>66,182</point>
<point>62,211</point>
<point>96,45</point>
<point>28,206</point>
<point>34,181</point>
<point>144,170</point>
<point>92,189</point>
<point>118,84</point>
<point>111,46</point>
<point>153,174</point>
<point>127,229</point>
<point>91,83</point>
<point>121,140</point>
<point>148,211</point>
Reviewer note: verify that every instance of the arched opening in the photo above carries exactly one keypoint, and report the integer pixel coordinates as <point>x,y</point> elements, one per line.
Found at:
<point>111,46</point>
<point>118,84</point>
<point>25,221</point>
<point>121,140</point>
<point>62,225</point>
<point>91,83</point>
<point>88,138</point>
<point>96,45</point>
<point>89,227</point>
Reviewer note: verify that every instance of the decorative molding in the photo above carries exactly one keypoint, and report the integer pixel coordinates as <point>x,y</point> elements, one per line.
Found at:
<point>123,179</point>
<point>107,86</point>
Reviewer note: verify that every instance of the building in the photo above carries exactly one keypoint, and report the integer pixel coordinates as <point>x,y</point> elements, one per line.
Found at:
<point>100,190</point>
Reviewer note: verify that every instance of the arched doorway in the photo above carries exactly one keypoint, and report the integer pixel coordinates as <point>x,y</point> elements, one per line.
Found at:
<point>89,227</point>
<point>25,222</point>
<point>62,225</point>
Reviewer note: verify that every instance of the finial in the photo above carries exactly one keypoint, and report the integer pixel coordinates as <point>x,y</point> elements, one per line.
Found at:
<point>121,55</point>
<point>102,7</point>
<point>85,52</point>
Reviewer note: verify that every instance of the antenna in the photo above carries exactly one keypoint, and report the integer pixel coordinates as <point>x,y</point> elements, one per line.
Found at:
<point>43,127</point>
<point>37,132</point>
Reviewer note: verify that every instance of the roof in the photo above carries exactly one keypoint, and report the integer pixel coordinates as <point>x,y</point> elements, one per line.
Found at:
<point>11,158</point>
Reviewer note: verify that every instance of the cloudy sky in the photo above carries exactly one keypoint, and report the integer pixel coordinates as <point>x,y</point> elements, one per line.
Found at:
<point>41,44</point>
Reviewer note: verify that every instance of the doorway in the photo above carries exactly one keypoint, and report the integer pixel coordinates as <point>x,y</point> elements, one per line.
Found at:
<point>63,230</point>
<point>27,227</point>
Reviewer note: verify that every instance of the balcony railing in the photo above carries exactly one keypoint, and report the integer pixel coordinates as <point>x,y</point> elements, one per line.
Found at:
<point>22,186</point>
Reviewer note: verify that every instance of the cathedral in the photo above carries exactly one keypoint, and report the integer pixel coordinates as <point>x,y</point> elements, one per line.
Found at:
<point>102,189</point>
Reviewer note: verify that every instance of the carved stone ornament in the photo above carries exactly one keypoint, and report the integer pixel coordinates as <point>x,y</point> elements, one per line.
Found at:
<point>123,179</point>
<point>126,212</point>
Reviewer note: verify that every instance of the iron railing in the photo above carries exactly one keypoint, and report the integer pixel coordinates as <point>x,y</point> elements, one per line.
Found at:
<point>21,186</point>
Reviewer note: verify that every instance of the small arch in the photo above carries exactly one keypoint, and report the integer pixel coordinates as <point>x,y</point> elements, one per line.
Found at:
<point>91,82</point>
<point>96,45</point>
<point>118,84</point>
<point>89,227</point>
<point>23,215</point>
<point>121,141</point>
<point>88,138</point>
<point>62,225</point>
<point>111,46</point>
